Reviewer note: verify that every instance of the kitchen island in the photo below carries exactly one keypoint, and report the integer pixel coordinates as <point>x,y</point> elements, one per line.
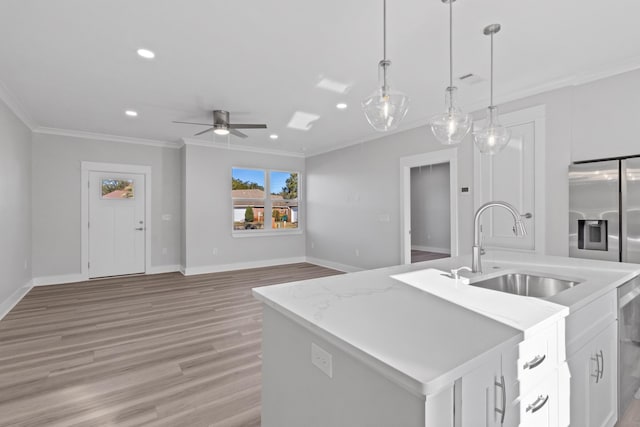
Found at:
<point>369,349</point>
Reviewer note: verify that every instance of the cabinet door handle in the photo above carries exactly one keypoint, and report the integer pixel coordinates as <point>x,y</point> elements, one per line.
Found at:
<point>538,404</point>
<point>502,411</point>
<point>597,375</point>
<point>534,362</point>
<point>601,364</point>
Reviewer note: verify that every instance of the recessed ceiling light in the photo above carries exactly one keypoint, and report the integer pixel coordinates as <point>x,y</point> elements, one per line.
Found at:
<point>146,53</point>
<point>273,136</point>
<point>131,113</point>
<point>341,106</point>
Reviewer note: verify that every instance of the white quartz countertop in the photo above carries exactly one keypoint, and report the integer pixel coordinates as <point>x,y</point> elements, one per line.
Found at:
<point>423,330</point>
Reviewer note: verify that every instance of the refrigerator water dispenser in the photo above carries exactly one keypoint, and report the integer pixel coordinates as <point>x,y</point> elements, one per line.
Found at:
<point>592,234</point>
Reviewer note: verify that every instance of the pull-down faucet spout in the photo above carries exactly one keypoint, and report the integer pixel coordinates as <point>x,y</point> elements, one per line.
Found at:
<point>518,230</point>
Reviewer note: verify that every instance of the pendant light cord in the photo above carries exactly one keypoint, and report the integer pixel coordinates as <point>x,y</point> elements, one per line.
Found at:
<point>384,30</point>
<point>491,104</point>
<point>450,43</point>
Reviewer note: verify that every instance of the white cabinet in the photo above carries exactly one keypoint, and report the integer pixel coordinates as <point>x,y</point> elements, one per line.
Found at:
<point>520,388</point>
<point>594,382</point>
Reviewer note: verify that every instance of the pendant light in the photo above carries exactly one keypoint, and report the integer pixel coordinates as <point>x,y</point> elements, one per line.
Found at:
<point>494,137</point>
<point>385,108</point>
<point>453,125</point>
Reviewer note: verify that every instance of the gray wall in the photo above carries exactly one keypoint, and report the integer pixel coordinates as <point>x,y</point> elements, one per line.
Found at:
<point>349,191</point>
<point>56,198</point>
<point>208,213</point>
<point>15,203</point>
<point>582,122</point>
<point>430,208</point>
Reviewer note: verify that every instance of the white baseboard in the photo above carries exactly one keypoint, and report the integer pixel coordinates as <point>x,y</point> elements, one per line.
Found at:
<point>333,265</point>
<point>58,280</point>
<point>159,269</point>
<point>190,271</point>
<point>431,249</point>
<point>14,298</point>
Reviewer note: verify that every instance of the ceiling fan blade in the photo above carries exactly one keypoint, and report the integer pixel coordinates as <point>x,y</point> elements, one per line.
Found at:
<point>191,123</point>
<point>237,133</point>
<point>246,126</point>
<point>204,131</point>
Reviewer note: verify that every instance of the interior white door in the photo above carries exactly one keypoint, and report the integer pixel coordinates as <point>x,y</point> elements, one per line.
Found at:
<point>509,177</point>
<point>116,224</point>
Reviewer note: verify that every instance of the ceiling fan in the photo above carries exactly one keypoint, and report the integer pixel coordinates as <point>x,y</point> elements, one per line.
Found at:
<point>221,125</point>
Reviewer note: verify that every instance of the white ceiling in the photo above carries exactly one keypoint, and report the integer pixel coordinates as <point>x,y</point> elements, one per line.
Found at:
<point>72,64</point>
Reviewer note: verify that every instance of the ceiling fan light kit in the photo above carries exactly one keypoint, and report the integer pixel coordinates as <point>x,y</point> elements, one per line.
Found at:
<point>385,108</point>
<point>453,125</point>
<point>221,125</point>
<point>493,137</point>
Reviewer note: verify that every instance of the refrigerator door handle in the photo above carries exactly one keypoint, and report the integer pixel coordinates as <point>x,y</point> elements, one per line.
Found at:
<point>624,238</point>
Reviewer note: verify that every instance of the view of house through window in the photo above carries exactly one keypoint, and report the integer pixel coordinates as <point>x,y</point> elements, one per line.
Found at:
<point>253,210</point>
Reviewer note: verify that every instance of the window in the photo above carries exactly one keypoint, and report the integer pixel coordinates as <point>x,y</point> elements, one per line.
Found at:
<point>113,188</point>
<point>253,210</point>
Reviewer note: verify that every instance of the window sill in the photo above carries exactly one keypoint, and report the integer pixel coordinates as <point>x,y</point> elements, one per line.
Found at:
<point>265,233</point>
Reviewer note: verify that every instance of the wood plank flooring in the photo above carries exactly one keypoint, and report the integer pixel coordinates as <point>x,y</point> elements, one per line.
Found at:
<point>419,256</point>
<point>160,350</point>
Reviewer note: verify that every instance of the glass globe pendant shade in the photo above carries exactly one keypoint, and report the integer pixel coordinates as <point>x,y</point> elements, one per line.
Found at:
<point>494,137</point>
<point>453,125</point>
<point>385,108</point>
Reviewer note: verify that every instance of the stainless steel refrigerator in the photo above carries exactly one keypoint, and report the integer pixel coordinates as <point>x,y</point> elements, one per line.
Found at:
<point>604,210</point>
<point>604,223</point>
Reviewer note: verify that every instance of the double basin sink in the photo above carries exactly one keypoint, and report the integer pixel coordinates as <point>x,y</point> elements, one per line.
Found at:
<point>526,284</point>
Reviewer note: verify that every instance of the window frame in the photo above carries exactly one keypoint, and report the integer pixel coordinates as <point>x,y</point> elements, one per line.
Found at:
<point>267,230</point>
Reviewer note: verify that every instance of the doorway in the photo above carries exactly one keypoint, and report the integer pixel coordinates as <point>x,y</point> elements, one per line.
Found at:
<point>115,219</point>
<point>430,212</point>
<point>429,206</point>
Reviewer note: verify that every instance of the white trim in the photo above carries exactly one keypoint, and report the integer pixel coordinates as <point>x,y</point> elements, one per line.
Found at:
<point>160,269</point>
<point>537,115</point>
<point>58,280</point>
<point>104,137</point>
<point>7,305</point>
<point>430,249</point>
<point>449,155</point>
<point>241,234</point>
<point>236,147</point>
<point>333,265</point>
<point>87,167</point>
<point>205,269</point>
<point>15,106</point>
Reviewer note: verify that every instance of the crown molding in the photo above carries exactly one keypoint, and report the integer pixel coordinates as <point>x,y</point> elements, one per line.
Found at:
<point>230,146</point>
<point>105,137</point>
<point>16,107</point>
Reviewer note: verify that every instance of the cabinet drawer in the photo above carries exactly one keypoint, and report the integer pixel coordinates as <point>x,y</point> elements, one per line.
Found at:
<point>537,357</point>
<point>539,408</point>
<point>587,322</point>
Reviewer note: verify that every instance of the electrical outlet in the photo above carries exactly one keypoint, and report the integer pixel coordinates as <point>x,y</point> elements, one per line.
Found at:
<point>357,252</point>
<point>322,359</point>
<point>164,251</point>
<point>215,251</point>
<point>313,245</point>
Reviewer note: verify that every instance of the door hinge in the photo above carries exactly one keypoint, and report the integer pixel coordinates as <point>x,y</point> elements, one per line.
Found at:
<point>88,184</point>
<point>89,264</point>
<point>88,224</point>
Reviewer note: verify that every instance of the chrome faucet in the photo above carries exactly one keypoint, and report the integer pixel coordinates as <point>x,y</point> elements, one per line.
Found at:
<point>518,230</point>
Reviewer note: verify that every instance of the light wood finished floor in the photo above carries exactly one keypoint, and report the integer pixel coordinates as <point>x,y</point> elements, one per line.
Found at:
<point>161,350</point>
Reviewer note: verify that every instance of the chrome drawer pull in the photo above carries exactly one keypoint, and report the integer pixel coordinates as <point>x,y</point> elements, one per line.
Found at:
<point>534,362</point>
<point>602,362</point>
<point>597,375</point>
<point>502,411</point>
<point>538,404</point>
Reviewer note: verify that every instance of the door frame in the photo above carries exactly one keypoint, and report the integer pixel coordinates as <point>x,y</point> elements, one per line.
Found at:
<point>87,167</point>
<point>449,155</point>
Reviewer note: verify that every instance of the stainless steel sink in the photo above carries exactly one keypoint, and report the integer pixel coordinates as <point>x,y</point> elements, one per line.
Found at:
<point>526,284</point>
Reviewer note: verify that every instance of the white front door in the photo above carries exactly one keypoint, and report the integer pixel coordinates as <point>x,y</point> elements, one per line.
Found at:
<point>116,224</point>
